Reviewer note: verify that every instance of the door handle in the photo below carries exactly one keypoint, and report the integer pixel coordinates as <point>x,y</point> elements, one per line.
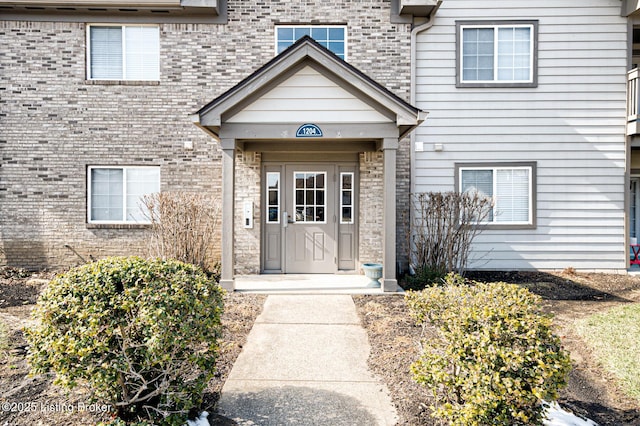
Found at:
<point>286,219</point>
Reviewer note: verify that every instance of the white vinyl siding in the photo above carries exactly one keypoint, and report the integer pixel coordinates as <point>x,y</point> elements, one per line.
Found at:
<point>572,125</point>
<point>290,101</point>
<point>123,53</point>
<point>115,193</point>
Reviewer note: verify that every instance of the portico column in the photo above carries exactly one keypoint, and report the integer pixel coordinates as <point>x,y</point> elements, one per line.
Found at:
<point>389,149</point>
<point>228,188</point>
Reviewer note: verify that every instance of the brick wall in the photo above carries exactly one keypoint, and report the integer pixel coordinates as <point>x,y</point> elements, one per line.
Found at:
<point>247,240</point>
<point>54,123</point>
<point>371,201</point>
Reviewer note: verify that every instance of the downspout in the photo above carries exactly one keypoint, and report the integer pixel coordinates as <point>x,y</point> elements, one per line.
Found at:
<point>412,156</point>
<point>414,48</point>
<point>414,35</point>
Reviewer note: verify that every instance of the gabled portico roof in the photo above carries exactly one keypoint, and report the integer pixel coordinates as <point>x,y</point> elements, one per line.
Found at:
<point>306,52</point>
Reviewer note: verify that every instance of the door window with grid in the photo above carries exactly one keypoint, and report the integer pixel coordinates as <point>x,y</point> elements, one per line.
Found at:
<point>273,197</point>
<point>346,198</point>
<point>310,196</point>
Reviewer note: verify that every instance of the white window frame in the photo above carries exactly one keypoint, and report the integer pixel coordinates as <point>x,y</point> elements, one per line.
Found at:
<point>124,51</point>
<point>351,206</point>
<point>311,27</point>
<point>279,198</point>
<point>124,195</point>
<point>326,193</point>
<point>531,196</point>
<point>533,54</point>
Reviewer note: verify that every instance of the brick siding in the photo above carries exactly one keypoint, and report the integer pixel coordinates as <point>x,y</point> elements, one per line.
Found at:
<point>54,123</point>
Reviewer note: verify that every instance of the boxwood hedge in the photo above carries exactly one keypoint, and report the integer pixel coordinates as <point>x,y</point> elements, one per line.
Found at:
<point>142,334</point>
<point>492,358</point>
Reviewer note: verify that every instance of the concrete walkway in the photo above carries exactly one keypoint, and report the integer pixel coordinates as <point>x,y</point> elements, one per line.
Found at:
<point>305,363</point>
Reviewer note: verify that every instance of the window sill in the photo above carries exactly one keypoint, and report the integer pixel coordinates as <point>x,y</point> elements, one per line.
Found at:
<point>505,227</point>
<point>496,84</point>
<point>118,225</point>
<point>122,82</point>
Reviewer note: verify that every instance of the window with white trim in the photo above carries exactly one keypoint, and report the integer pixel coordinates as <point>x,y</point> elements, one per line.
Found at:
<point>123,52</point>
<point>115,193</point>
<point>310,203</point>
<point>497,54</point>
<point>332,37</point>
<point>346,198</point>
<point>510,188</point>
<point>273,197</point>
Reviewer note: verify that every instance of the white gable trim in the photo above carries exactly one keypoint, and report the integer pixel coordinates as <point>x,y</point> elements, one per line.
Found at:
<point>307,53</point>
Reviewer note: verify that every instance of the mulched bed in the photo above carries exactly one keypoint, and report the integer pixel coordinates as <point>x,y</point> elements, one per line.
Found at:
<point>591,392</point>
<point>394,338</point>
<point>392,334</point>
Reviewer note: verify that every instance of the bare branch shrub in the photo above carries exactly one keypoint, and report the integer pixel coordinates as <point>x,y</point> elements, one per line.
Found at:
<point>443,227</point>
<point>184,226</point>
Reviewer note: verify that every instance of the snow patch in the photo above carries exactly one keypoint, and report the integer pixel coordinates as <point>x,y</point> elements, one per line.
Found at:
<point>200,421</point>
<point>556,416</point>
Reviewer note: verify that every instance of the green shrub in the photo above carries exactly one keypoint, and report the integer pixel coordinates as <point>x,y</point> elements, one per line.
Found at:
<point>492,358</point>
<point>142,334</point>
<point>424,277</point>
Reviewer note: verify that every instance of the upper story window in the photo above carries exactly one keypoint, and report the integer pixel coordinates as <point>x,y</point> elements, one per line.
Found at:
<point>332,37</point>
<point>510,186</point>
<point>497,54</point>
<point>116,193</point>
<point>123,52</point>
